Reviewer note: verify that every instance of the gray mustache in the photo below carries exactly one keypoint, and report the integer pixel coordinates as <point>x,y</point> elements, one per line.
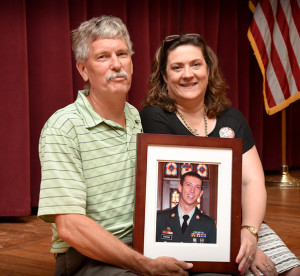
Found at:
<point>117,75</point>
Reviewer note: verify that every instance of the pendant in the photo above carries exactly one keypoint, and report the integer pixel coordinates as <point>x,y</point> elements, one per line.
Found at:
<point>196,132</point>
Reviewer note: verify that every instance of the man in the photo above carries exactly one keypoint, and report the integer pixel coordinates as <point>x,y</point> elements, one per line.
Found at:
<point>185,222</point>
<point>88,159</point>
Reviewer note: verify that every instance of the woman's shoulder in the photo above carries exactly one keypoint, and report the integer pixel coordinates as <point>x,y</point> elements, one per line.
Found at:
<point>153,110</point>
<point>231,111</point>
<point>233,115</point>
<point>156,120</point>
<point>232,123</point>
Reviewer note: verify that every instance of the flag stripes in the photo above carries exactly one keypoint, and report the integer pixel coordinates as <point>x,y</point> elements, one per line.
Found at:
<point>274,37</point>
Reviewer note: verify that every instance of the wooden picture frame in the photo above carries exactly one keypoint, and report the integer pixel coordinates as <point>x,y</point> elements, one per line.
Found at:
<point>227,154</point>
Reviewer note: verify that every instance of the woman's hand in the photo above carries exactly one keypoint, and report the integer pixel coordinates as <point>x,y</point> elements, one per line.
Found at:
<point>263,263</point>
<point>247,251</point>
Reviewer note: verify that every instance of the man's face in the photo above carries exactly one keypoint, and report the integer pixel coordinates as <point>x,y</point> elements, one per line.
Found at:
<point>190,191</point>
<point>108,68</point>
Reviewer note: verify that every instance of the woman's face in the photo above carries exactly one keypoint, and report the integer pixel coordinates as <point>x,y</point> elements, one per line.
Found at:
<point>186,74</point>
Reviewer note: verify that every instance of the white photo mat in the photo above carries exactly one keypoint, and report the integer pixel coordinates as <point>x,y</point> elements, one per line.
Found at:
<point>219,252</point>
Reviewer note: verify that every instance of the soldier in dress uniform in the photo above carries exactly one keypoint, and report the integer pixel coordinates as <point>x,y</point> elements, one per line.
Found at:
<point>185,222</point>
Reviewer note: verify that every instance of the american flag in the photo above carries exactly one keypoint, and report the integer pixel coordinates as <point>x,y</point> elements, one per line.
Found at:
<point>274,34</point>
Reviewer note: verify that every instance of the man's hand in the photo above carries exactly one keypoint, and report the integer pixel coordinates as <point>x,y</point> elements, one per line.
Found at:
<point>163,266</point>
<point>93,241</point>
<point>263,263</point>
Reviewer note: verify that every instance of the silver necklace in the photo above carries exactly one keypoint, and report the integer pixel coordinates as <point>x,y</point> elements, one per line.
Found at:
<point>194,131</point>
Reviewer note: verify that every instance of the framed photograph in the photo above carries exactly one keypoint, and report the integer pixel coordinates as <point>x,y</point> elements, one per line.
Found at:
<point>161,161</point>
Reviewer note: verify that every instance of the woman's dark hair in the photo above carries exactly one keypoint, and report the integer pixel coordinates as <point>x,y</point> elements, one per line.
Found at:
<point>215,97</point>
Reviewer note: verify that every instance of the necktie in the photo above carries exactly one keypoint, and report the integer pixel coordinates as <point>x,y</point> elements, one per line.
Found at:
<point>184,224</point>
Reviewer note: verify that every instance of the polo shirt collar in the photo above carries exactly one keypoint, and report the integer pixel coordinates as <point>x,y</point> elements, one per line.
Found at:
<point>91,118</point>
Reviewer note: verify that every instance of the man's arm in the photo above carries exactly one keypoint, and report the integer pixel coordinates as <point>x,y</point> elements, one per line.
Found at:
<point>90,239</point>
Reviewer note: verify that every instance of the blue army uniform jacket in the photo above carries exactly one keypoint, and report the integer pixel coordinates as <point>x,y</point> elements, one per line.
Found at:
<point>201,229</point>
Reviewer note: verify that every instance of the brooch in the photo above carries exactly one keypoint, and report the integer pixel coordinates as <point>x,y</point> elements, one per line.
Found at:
<point>226,132</point>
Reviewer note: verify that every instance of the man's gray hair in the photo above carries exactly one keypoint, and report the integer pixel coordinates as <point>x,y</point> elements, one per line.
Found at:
<point>95,28</point>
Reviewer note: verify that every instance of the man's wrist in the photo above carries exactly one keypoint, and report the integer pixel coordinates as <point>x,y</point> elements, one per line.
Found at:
<point>143,265</point>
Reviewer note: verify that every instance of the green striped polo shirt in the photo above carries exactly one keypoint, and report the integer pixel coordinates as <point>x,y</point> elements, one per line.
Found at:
<point>88,167</point>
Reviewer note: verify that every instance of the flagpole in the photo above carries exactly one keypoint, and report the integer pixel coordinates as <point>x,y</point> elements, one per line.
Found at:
<point>285,179</point>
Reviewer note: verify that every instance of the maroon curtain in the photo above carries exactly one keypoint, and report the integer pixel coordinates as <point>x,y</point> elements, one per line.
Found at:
<point>38,75</point>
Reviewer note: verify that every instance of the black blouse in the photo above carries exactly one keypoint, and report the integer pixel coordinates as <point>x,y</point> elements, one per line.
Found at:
<point>156,120</point>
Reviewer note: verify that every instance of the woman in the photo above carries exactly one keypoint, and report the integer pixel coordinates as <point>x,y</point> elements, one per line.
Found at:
<point>188,97</point>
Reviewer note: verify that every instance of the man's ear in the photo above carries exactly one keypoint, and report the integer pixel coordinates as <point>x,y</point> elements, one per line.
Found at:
<point>201,194</point>
<point>82,70</point>
<point>179,188</point>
